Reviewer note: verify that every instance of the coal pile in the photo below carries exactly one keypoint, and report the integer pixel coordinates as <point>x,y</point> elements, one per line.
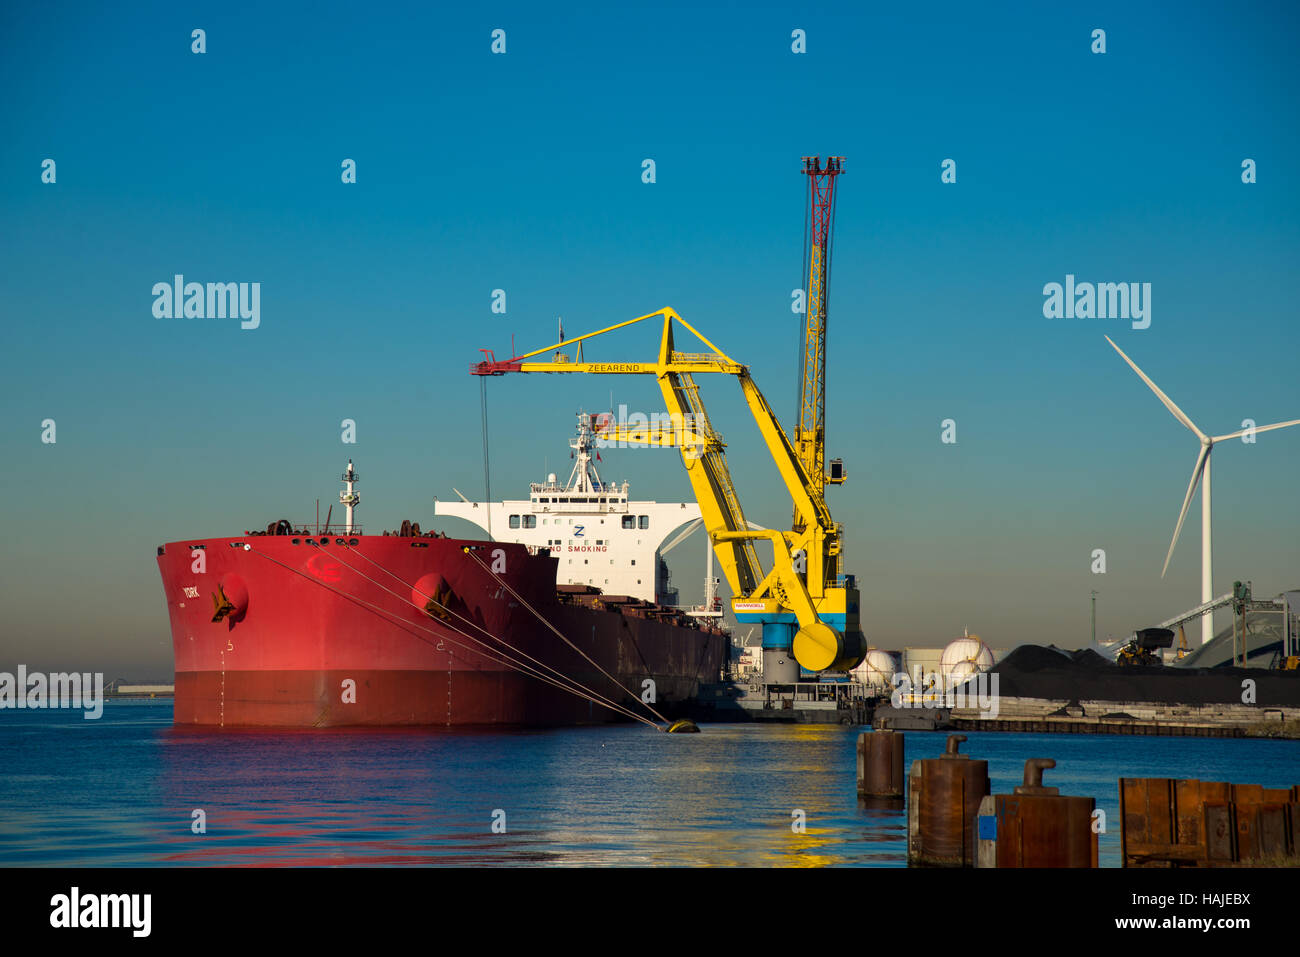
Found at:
<point>1035,671</point>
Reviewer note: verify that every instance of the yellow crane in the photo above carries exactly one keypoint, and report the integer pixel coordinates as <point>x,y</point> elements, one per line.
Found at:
<point>805,604</point>
<point>810,430</point>
<point>803,592</point>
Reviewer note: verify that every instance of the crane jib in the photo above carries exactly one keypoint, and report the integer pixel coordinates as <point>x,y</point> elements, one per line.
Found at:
<point>804,596</point>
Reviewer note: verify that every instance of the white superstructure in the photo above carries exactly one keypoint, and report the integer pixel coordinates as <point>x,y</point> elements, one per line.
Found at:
<point>601,537</point>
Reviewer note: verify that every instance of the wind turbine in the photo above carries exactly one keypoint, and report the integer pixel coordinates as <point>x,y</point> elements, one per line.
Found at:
<point>1199,471</point>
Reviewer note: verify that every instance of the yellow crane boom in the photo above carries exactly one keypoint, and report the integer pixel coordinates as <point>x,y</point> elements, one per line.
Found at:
<point>803,591</point>
<point>810,428</point>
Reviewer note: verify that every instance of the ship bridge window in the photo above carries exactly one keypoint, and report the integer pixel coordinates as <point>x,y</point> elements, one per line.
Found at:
<point>629,521</point>
<point>643,521</point>
<point>514,521</point>
<point>530,521</point>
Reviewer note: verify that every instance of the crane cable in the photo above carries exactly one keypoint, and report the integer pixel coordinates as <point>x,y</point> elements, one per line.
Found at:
<point>589,691</point>
<point>491,653</point>
<point>506,585</point>
<point>487,472</point>
<point>500,657</point>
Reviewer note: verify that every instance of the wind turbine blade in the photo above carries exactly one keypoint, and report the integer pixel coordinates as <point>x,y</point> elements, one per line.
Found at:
<point>686,533</point>
<point>1187,500</point>
<point>1169,403</point>
<point>1258,428</point>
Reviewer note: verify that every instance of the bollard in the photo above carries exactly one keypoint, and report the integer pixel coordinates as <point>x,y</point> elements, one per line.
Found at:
<point>1037,826</point>
<point>944,808</point>
<point>880,764</point>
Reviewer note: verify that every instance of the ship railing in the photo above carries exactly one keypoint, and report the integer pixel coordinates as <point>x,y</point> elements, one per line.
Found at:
<point>566,508</point>
<point>711,358</point>
<point>828,693</point>
<point>320,528</point>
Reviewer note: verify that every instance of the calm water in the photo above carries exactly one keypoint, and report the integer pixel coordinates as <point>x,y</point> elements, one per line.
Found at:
<point>121,791</point>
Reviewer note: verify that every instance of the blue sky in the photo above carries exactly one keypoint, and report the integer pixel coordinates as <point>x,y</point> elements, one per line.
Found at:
<point>523,172</point>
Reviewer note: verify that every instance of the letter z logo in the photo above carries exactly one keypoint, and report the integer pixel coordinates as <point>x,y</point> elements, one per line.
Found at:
<point>577,530</point>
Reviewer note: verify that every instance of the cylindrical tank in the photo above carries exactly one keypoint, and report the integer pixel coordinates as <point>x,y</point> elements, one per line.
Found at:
<point>880,764</point>
<point>779,665</point>
<point>951,787</point>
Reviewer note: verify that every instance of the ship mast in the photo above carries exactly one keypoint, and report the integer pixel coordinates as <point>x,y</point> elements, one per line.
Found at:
<point>349,496</point>
<point>584,477</point>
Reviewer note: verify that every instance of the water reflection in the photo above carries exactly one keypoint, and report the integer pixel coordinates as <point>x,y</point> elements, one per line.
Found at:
<point>122,790</point>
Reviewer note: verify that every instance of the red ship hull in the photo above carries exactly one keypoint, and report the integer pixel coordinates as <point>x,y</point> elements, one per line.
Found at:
<point>326,631</point>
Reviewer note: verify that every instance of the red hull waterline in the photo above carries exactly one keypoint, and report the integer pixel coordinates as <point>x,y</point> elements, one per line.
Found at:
<point>328,631</point>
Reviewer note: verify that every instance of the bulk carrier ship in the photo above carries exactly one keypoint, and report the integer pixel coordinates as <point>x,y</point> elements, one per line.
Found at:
<point>304,627</point>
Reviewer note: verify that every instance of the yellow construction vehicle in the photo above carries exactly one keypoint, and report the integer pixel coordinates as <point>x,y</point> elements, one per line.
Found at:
<point>1143,648</point>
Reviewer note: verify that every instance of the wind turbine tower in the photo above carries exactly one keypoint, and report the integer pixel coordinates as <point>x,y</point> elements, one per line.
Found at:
<point>1200,473</point>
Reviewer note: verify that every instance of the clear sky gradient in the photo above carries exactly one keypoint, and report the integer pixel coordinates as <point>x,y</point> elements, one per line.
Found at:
<point>523,172</point>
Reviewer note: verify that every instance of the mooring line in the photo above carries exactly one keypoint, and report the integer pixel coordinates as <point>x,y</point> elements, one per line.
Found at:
<point>595,695</point>
<point>487,651</point>
<point>506,585</point>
